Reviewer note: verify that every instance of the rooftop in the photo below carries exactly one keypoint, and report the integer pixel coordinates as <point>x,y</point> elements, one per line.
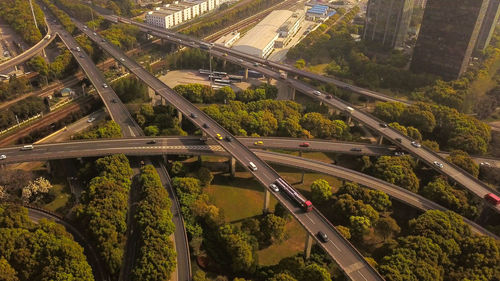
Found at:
<point>318,9</point>
<point>265,31</point>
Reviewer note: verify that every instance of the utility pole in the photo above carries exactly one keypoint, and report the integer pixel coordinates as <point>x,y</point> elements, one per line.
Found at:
<point>33,13</point>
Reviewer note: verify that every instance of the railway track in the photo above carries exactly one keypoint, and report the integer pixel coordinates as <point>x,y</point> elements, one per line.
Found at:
<point>250,20</point>
<point>46,120</point>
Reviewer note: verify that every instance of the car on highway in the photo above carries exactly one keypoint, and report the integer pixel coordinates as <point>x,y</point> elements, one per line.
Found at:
<point>27,147</point>
<point>399,140</point>
<point>224,55</point>
<point>383,125</point>
<point>348,108</point>
<point>82,56</point>
<point>274,187</point>
<point>3,156</point>
<point>485,164</point>
<point>94,33</point>
<point>103,40</point>
<point>399,153</point>
<point>77,49</point>
<point>258,143</point>
<point>416,144</point>
<point>322,236</point>
<point>205,125</point>
<point>317,93</point>
<point>328,97</point>
<point>122,59</point>
<point>356,149</point>
<point>151,142</point>
<point>252,166</point>
<point>218,136</point>
<point>439,165</point>
<point>91,119</point>
<point>193,115</point>
<point>240,60</point>
<point>229,138</point>
<point>104,85</point>
<point>256,64</point>
<point>114,101</point>
<point>304,144</point>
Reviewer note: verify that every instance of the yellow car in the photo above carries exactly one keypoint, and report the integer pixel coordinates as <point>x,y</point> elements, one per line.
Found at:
<point>258,143</point>
<point>219,137</point>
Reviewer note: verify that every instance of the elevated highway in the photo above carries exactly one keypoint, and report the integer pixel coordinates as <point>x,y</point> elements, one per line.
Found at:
<point>454,172</point>
<point>345,255</point>
<point>194,146</point>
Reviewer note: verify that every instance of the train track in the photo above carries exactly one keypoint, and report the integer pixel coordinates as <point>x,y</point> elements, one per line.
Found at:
<point>250,20</point>
<point>46,120</point>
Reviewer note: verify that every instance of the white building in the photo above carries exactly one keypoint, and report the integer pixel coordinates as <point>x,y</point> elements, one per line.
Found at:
<point>259,41</point>
<point>229,39</point>
<point>173,14</point>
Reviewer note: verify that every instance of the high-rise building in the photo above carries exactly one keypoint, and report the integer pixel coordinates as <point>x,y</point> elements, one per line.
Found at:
<point>448,36</point>
<point>387,21</point>
<point>488,25</point>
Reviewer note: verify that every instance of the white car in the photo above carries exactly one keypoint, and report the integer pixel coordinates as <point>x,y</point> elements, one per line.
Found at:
<point>122,59</point>
<point>485,164</point>
<point>274,187</point>
<point>90,120</point>
<point>3,157</point>
<point>104,85</point>
<point>416,144</point>
<point>440,165</point>
<point>317,93</point>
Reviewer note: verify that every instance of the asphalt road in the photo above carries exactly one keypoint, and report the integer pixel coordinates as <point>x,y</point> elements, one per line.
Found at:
<point>346,256</point>
<point>92,258</point>
<point>194,146</point>
<point>31,52</point>
<point>452,171</point>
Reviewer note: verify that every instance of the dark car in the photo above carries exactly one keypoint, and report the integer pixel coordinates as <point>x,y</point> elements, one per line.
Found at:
<point>193,115</point>
<point>356,149</point>
<point>229,138</point>
<point>113,101</point>
<point>322,236</point>
<point>205,125</point>
<point>151,142</point>
<point>329,97</point>
<point>399,140</point>
<point>383,125</point>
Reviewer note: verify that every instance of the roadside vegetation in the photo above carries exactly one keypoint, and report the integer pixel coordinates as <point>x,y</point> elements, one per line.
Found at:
<point>156,259</point>
<point>41,251</point>
<point>109,130</point>
<point>63,18</point>
<point>17,13</point>
<point>102,213</point>
<point>23,109</point>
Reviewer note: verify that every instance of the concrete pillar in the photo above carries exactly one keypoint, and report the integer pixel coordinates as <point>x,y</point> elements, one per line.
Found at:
<point>349,119</point>
<point>269,80</point>
<point>245,76</point>
<point>179,116</point>
<point>267,198</point>
<point>307,248</point>
<point>292,93</point>
<point>199,160</point>
<point>224,64</point>
<point>232,166</point>
<point>380,139</point>
<point>49,168</point>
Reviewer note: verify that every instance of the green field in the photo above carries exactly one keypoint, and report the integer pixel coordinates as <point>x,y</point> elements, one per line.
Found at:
<point>61,198</point>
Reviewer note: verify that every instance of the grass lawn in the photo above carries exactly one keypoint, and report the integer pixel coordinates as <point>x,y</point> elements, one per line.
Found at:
<point>293,244</point>
<point>61,198</point>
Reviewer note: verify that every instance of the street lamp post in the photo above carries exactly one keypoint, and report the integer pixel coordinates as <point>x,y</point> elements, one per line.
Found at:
<point>33,13</point>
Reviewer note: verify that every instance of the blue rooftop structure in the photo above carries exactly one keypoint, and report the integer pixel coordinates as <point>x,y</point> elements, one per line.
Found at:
<point>318,9</point>
<point>331,13</point>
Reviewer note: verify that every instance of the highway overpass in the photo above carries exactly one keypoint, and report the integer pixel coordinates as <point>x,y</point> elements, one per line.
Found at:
<point>194,146</point>
<point>347,257</point>
<point>454,172</point>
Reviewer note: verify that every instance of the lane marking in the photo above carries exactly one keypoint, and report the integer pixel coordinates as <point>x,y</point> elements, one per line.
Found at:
<point>362,275</point>
<point>310,219</point>
<point>336,246</point>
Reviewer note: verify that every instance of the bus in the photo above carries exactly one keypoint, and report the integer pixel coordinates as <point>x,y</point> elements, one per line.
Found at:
<point>222,81</point>
<point>236,78</point>
<point>294,195</point>
<point>492,198</point>
<point>203,71</point>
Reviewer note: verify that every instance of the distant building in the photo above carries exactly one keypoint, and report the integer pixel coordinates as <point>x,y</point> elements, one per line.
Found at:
<point>317,12</point>
<point>387,21</point>
<point>488,26</point>
<point>260,40</point>
<point>288,29</point>
<point>229,39</point>
<point>67,92</point>
<point>170,15</point>
<point>448,36</point>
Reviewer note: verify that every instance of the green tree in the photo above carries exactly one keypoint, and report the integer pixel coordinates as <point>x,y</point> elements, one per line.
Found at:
<point>224,94</point>
<point>316,272</point>
<point>386,226</point>
<point>178,169</point>
<point>344,231</point>
<point>273,228</point>
<point>464,161</point>
<point>151,130</point>
<point>7,273</point>
<point>300,64</point>
<point>187,185</point>
<point>321,191</point>
<point>205,176</point>
<point>359,226</point>
<point>398,171</point>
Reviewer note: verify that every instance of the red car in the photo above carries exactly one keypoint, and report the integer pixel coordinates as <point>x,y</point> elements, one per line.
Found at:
<point>304,144</point>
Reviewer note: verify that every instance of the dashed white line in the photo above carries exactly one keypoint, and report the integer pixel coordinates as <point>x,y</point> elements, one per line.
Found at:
<point>362,275</point>
<point>335,246</point>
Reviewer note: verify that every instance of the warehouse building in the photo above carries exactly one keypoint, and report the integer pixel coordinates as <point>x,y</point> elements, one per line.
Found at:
<point>260,40</point>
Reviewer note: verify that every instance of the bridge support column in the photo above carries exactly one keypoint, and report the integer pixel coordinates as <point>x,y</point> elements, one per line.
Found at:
<point>200,161</point>
<point>302,171</point>
<point>245,76</point>
<point>380,139</point>
<point>224,64</point>
<point>292,93</point>
<point>49,168</point>
<point>232,166</point>
<point>349,119</point>
<point>267,198</point>
<point>269,80</point>
<point>307,248</point>
<point>179,116</point>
